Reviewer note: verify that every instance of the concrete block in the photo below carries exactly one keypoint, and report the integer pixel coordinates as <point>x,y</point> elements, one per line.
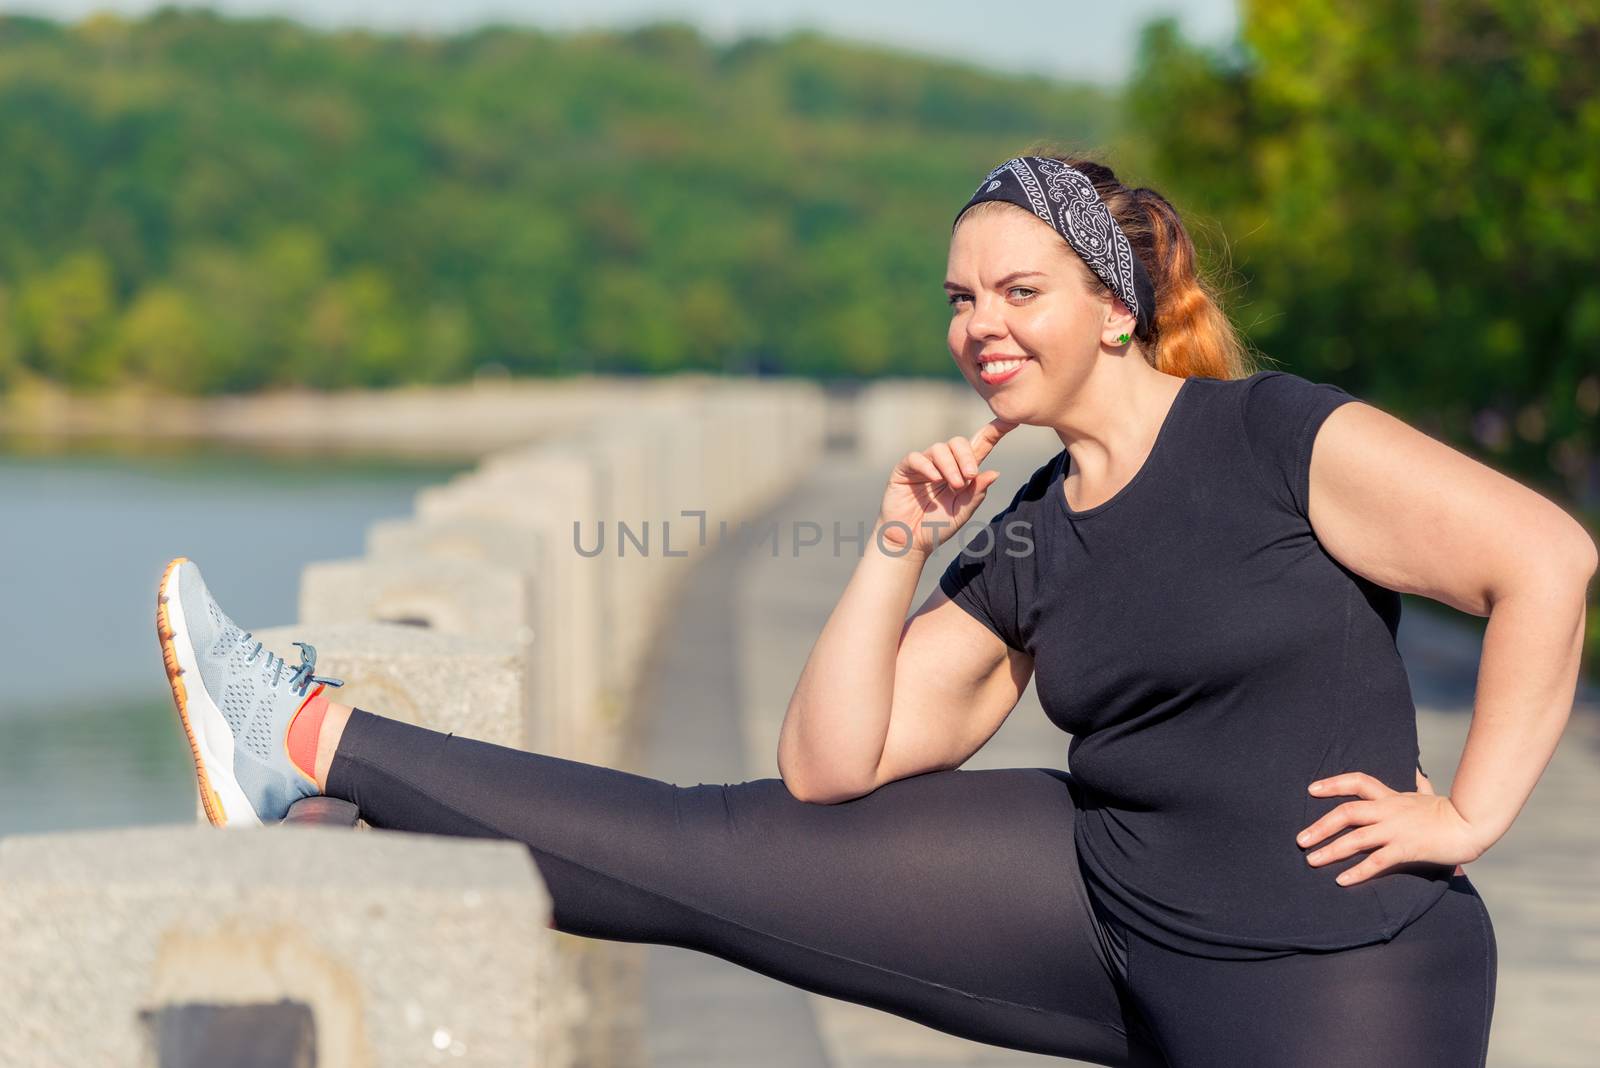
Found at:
<point>473,686</point>
<point>574,588</point>
<point>679,441</point>
<point>455,596</point>
<point>778,429</point>
<point>622,520</point>
<point>622,533</point>
<point>470,538</point>
<point>553,685</point>
<point>968,412</point>
<point>720,481</point>
<point>805,420</point>
<point>742,423</point>
<point>407,949</point>
<point>899,415</point>
<point>613,1018</point>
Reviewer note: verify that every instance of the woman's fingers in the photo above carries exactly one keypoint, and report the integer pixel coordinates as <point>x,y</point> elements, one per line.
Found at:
<point>989,435</point>
<point>1346,815</point>
<point>944,458</point>
<point>958,461</point>
<point>1374,864</point>
<point>1356,841</point>
<point>1351,782</point>
<point>922,465</point>
<point>964,456</point>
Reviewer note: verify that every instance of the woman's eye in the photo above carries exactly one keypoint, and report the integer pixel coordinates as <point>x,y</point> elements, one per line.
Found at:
<point>1014,289</point>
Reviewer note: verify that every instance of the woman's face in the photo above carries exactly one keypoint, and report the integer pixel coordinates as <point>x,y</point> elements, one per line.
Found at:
<point>1016,290</point>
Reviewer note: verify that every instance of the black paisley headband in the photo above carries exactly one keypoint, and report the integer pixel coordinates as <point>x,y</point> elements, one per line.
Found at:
<point>1065,198</point>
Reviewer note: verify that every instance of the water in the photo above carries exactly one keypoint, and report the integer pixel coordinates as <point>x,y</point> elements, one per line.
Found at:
<point>88,735</point>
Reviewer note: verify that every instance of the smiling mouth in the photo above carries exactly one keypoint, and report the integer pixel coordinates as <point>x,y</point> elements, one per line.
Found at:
<point>1001,367</point>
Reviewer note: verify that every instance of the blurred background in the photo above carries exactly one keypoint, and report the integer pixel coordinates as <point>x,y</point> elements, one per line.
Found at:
<point>1399,197</point>
<point>246,249</point>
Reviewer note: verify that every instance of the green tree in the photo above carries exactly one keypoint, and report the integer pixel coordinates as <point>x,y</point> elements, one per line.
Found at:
<point>65,315</point>
<point>160,339</point>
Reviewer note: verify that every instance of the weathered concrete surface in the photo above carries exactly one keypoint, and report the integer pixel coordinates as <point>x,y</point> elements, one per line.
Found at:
<point>558,677</point>
<point>472,686</point>
<point>99,925</point>
<point>453,596</point>
<point>571,588</point>
<point>895,416</point>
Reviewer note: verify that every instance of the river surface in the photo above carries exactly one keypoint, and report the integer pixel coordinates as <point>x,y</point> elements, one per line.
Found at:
<point>88,734</point>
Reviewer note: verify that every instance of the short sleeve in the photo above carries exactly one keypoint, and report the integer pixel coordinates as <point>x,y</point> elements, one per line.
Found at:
<point>1282,413</point>
<point>983,578</point>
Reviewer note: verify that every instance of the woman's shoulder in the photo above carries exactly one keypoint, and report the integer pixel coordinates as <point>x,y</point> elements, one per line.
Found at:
<point>1272,392</point>
<point>1272,403</point>
<point>1279,413</point>
<point>1035,490</point>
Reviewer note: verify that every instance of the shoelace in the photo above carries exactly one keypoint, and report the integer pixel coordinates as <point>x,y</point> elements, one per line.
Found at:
<point>301,678</point>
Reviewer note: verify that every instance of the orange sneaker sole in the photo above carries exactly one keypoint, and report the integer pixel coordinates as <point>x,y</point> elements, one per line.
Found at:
<point>180,697</point>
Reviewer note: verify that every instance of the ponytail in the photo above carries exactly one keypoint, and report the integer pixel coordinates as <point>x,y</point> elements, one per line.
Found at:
<point>1191,335</point>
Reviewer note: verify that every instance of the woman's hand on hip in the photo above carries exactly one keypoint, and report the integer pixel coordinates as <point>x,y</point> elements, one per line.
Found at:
<point>1425,786</point>
<point>1391,826</point>
<point>934,491</point>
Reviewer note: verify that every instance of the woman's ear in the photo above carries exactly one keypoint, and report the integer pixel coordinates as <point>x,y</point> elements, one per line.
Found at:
<point>1119,324</point>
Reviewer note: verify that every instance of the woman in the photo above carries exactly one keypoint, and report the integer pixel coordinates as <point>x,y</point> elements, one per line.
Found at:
<point>1236,870</point>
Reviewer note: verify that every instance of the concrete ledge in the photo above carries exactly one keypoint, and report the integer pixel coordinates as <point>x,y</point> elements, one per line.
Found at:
<point>968,412</point>
<point>408,949</point>
<point>486,540</point>
<point>472,686</point>
<point>895,416</point>
<point>563,682</point>
<point>571,588</point>
<point>454,596</point>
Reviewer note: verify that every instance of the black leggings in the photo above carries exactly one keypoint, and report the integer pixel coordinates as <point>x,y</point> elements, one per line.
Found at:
<point>951,898</point>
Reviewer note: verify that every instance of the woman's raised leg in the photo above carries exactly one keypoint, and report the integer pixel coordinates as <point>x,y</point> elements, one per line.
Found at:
<point>951,898</point>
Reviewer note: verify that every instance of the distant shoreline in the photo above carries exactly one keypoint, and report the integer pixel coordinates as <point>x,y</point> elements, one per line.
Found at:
<point>438,422</point>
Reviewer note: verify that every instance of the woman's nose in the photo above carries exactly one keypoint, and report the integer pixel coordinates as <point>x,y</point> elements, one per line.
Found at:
<point>986,320</point>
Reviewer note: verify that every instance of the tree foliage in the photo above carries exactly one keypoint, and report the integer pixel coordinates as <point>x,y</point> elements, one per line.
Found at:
<point>210,203</point>
<point>1412,193</point>
<point>1413,196</point>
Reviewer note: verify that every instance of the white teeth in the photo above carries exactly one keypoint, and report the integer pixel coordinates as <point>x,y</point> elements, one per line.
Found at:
<point>1000,367</point>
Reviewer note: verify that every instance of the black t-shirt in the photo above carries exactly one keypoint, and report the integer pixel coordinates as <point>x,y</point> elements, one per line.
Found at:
<point>1210,660</point>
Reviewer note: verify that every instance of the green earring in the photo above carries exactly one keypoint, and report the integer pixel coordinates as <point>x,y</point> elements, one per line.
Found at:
<point>1123,340</point>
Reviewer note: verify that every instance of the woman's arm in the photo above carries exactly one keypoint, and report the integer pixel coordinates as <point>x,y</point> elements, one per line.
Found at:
<point>832,743</point>
<point>1414,515</point>
<point>1526,680</point>
<point>834,728</point>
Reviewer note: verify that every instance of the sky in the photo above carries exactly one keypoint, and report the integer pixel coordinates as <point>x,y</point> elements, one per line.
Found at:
<point>1064,39</point>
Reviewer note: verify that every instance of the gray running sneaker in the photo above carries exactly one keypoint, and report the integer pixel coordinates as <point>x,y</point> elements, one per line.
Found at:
<point>236,701</point>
